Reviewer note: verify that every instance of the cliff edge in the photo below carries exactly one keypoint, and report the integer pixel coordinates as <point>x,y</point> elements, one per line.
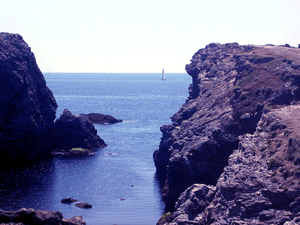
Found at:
<point>27,105</point>
<point>231,153</point>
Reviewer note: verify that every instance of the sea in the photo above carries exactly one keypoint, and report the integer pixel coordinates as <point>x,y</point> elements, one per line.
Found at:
<point>119,180</point>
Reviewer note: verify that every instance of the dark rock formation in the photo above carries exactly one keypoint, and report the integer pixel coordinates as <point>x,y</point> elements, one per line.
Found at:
<point>260,185</point>
<point>68,200</point>
<point>84,205</point>
<point>234,87</point>
<point>27,106</point>
<point>71,131</point>
<point>98,118</point>
<point>32,216</point>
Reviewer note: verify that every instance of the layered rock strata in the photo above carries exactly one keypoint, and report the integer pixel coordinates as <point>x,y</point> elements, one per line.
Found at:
<point>27,106</point>
<point>218,158</point>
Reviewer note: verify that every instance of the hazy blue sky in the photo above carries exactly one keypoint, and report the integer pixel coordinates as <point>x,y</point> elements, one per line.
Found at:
<point>142,35</point>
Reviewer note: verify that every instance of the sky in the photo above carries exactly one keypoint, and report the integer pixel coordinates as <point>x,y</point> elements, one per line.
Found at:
<point>141,36</point>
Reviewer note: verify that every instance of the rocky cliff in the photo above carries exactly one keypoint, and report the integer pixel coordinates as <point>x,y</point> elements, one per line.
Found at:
<point>28,110</point>
<point>27,106</point>
<point>231,155</point>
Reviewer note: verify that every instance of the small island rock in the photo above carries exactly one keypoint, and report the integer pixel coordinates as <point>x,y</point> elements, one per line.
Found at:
<point>72,131</point>
<point>98,118</point>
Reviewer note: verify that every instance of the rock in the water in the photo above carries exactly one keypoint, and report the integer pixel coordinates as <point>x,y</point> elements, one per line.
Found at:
<point>84,205</point>
<point>32,216</point>
<point>234,139</point>
<point>98,118</point>
<point>27,106</point>
<point>72,131</point>
<point>68,200</point>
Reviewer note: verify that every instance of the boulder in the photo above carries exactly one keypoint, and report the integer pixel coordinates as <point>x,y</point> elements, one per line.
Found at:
<point>32,216</point>
<point>27,105</point>
<point>73,131</point>
<point>98,118</point>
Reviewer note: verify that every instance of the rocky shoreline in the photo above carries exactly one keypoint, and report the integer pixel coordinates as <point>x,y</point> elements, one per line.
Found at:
<point>33,216</point>
<point>28,130</point>
<point>231,155</point>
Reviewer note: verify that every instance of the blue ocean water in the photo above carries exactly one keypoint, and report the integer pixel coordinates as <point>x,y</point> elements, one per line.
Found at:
<point>122,170</point>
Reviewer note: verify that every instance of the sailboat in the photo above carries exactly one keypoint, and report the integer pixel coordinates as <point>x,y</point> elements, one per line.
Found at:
<point>163,75</point>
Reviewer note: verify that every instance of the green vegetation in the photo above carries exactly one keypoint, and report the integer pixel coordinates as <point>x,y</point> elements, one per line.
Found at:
<point>79,149</point>
<point>273,164</point>
<point>166,215</point>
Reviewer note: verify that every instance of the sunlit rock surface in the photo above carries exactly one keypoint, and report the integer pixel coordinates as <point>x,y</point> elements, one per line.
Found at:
<point>237,137</point>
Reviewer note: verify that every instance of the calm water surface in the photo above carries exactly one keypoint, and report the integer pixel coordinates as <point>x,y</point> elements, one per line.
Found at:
<point>122,170</point>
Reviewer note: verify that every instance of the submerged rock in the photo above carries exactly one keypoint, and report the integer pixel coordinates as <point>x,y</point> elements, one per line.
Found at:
<point>72,131</point>
<point>230,156</point>
<point>27,106</point>
<point>32,216</point>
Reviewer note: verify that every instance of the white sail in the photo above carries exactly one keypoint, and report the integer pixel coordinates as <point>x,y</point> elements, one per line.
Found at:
<point>163,74</point>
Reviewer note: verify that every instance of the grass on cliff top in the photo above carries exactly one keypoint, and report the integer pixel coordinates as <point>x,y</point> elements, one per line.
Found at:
<point>259,82</point>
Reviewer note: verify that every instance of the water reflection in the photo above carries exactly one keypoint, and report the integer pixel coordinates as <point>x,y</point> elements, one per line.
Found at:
<point>27,187</point>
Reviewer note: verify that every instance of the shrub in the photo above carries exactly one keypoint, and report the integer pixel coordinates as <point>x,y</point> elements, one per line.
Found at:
<point>273,164</point>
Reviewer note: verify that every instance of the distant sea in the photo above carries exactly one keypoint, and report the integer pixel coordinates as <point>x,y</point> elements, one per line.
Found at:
<point>119,180</point>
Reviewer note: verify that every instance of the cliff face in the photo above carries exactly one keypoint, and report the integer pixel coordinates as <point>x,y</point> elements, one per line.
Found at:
<point>27,106</point>
<point>229,139</point>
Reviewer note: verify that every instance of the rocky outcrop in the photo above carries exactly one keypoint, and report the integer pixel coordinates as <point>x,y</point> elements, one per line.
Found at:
<point>32,216</point>
<point>27,106</point>
<point>260,185</point>
<point>72,131</point>
<point>98,118</point>
<point>217,160</point>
